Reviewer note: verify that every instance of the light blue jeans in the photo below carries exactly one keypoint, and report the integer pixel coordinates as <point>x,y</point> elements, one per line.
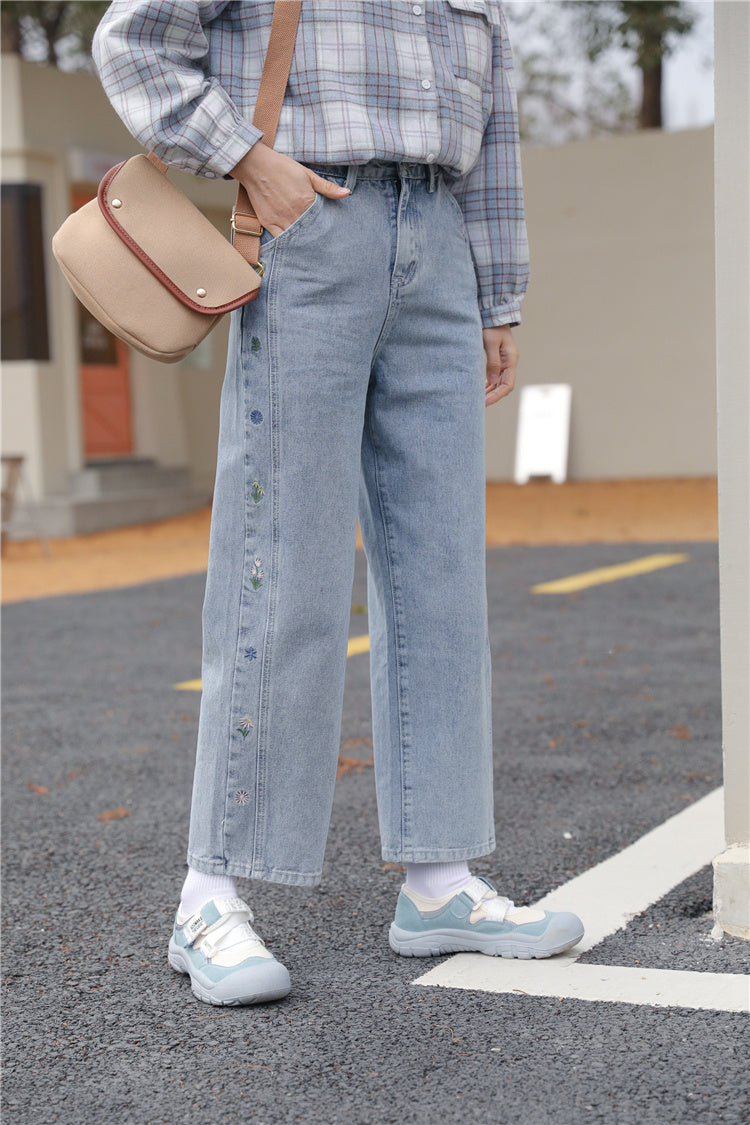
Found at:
<point>354,386</point>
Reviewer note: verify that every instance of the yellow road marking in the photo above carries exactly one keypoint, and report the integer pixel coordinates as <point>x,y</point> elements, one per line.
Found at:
<point>358,644</point>
<point>608,574</point>
<point>355,646</point>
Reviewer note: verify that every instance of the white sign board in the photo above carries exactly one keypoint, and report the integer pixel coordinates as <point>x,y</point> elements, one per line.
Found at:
<point>543,429</point>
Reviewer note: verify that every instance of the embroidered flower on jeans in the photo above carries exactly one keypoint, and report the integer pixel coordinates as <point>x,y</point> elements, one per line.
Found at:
<point>255,344</point>
<point>241,797</point>
<point>256,417</point>
<point>256,492</point>
<point>251,654</point>
<point>256,574</point>
<point>245,727</point>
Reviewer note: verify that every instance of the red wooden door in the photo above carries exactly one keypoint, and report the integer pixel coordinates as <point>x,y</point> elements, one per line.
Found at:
<point>104,381</point>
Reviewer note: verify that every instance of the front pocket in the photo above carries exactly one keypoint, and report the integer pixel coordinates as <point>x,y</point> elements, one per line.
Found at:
<point>299,222</point>
<point>470,34</point>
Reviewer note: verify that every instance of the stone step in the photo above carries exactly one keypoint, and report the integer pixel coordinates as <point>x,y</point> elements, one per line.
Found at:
<point>132,475</point>
<point>63,516</point>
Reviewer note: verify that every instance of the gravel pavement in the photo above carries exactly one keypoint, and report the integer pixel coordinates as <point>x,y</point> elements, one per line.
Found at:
<point>607,722</point>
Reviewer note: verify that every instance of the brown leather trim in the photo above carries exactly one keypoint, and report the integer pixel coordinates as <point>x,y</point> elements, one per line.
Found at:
<point>151,266</point>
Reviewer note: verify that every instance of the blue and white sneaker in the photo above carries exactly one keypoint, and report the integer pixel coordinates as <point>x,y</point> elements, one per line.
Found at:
<point>228,963</point>
<point>478,919</point>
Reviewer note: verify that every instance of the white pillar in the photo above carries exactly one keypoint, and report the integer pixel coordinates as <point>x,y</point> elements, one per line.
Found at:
<point>732,179</point>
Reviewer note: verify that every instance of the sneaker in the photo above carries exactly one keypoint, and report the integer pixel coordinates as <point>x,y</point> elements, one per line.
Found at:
<point>477,918</point>
<point>227,962</point>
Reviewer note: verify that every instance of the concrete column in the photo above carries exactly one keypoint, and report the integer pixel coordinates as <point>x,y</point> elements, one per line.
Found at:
<point>732,179</point>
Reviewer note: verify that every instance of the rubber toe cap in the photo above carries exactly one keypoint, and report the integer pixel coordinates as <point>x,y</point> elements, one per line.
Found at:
<point>564,930</point>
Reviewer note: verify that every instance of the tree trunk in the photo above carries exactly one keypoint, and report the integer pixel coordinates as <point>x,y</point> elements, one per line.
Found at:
<point>650,115</point>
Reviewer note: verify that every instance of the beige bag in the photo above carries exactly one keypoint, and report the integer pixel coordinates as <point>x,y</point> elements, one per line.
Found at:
<point>144,260</point>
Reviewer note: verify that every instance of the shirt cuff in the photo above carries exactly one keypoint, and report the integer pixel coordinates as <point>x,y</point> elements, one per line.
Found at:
<point>496,316</point>
<point>230,152</point>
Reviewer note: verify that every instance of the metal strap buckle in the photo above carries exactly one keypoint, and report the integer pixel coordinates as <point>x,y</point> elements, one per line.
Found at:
<point>242,230</point>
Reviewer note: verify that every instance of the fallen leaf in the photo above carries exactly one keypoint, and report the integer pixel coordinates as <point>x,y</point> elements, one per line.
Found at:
<point>581,723</point>
<point>682,732</point>
<point>351,765</point>
<point>40,790</point>
<point>72,774</point>
<point>113,814</point>
<point>393,867</point>
<point>353,743</point>
<point>553,743</point>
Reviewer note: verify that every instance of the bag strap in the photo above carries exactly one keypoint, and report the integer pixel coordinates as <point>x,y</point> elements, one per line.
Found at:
<point>273,81</point>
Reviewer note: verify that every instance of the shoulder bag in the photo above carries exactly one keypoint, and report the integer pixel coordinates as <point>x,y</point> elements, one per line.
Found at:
<point>144,260</point>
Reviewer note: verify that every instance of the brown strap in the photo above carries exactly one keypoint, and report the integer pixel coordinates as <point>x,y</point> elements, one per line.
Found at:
<point>157,163</point>
<point>278,62</point>
<point>245,223</point>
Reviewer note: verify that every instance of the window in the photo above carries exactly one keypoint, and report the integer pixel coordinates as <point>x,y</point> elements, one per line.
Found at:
<point>25,333</point>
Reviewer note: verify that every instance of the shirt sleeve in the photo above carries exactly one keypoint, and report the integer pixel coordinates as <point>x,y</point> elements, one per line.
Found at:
<point>491,198</point>
<point>152,62</point>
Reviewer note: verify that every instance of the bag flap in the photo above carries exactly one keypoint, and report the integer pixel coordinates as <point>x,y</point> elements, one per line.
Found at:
<point>174,240</point>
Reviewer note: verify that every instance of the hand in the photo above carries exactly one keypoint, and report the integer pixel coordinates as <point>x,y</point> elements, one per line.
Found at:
<point>279,188</point>
<point>501,360</point>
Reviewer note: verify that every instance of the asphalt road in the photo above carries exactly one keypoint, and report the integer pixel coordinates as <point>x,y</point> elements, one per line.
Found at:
<point>607,721</point>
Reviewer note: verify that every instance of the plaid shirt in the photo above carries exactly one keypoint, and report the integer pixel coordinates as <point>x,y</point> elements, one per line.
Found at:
<point>427,82</point>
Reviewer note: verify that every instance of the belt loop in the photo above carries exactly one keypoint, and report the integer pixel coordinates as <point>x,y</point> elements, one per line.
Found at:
<point>351,176</point>
<point>433,176</point>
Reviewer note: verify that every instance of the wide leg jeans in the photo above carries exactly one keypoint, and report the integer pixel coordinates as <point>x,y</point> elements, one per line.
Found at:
<point>354,387</point>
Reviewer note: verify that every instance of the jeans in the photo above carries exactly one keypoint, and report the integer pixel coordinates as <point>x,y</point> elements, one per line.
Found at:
<point>354,387</point>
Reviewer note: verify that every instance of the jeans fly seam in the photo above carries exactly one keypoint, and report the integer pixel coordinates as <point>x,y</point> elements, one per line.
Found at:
<point>393,296</point>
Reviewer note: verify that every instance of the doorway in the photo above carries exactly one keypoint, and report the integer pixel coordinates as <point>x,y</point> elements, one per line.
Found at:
<point>104,381</point>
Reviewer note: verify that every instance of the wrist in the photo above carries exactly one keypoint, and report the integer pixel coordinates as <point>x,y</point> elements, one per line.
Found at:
<point>251,164</point>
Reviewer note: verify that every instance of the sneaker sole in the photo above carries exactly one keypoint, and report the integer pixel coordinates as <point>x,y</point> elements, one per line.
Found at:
<point>439,943</point>
<point>211,993</point>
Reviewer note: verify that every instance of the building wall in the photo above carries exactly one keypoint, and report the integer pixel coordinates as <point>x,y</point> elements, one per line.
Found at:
<point>621,302</point>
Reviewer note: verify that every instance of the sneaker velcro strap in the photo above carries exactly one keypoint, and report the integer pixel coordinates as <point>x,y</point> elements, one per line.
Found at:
<point>226,908</point>
<point>479,889</point>
<point>233,905</point>
<point>193,927</point>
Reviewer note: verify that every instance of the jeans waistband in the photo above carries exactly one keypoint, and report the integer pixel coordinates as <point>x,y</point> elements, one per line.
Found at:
<point>381,170</point>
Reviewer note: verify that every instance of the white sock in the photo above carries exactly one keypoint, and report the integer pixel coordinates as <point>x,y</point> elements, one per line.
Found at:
<point>434,880</point>
<point>198,888</point>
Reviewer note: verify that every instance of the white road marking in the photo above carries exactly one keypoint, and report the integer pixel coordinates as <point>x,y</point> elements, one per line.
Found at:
<point>607,897</point>
<point>664,988</point>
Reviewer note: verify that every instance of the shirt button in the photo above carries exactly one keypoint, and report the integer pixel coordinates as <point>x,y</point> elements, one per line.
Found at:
<point>417,10</point>
<point>430,157</point>
<point>426,84</point>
